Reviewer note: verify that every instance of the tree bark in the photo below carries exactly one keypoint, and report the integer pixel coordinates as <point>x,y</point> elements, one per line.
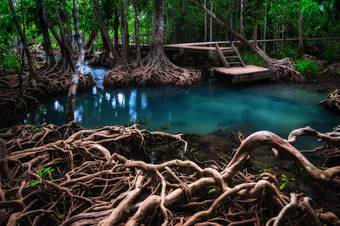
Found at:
<point>125,34</point>
<point>75,78</point>
<point>68,24</point>
<point>138,49</point>
<point>157,43</point>
<point>115,30</point>
<point>211,9</point>
<point>105,32</point>
<point>205,23</point>
<point>265,27</point>
<point>4,171</point>
<point>32,69</point>
<point>301,31</point>
<point>242,18</point>
<point>167,31</point>
<point>256,49</point>
<point>88,46</point>
<point>50,60</point>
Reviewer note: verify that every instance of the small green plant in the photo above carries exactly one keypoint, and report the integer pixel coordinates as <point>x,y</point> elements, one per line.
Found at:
<point>48,171</point>
<point>37,128</point>
<point>253,59</point>
<point>285,181</point>
<point>308,67</point>
<point>263,167</point>
<point>212,189</point>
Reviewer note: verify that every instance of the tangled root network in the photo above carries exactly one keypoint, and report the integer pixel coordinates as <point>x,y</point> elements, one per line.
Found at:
<point>72,176</point>
<point>161,72</point>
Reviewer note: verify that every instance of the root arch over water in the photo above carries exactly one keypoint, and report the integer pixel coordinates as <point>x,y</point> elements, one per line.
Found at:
<point>94,182</point>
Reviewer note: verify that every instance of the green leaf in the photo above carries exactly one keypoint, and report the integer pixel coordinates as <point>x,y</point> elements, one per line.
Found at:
<point>35,183</point>
<point>40,173</point>
<point>292,179</point>
<point>260,163</point>
<point>47,170</point>
<point>212,190</point>
<point>285,180</point>
<point>282,186</point>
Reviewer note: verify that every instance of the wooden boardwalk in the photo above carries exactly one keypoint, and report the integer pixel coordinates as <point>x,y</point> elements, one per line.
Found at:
<point>249,73</point>
<point>234,69</point>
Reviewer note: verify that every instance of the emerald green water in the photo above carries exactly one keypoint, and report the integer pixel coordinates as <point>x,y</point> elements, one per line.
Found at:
<point>279,108</point>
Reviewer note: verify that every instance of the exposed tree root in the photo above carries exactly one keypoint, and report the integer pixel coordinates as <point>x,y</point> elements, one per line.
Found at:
<point>151,72</point>
<point>104,59</point>
<point>284,69</point>
<point>50,82</point>
<point>333,101</point>
<point>93,183</point>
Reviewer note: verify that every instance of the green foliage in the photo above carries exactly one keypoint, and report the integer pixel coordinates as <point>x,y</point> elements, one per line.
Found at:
<point>253,59</point>
<point>263,167</point>
<point>330,53</point>
<point>288,51</point>
<point>285,181</point>
<point>48,171</point>
<point>10,61</point>
<point>308,67</point>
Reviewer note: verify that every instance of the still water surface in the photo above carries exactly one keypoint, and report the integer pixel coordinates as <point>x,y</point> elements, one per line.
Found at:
<point>279,108</point>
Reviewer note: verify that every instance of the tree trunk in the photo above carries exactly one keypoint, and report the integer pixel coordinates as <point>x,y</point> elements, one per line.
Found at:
<point>301,31</point>
<point>115,31</point>
<point>211,9</point>
<point>105,32</point>
<point>4,171</point>
<point>256,49</point>
<point>125,34</point>
<point>156,49</point>
<point>66,49</point>
<point>68,24</point>
<point>138,50</point>
<point>88,46</point>
<point>50,59</point>
<point>167,33</point>
<point>242,18</point>
<point>75,78</point>
<point>205,23</point>
<point>255,27</point>
<point>33,72</point>
<point>265,27</point>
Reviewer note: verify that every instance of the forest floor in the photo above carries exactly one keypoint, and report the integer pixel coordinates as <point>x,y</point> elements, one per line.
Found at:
<point>68,175</point>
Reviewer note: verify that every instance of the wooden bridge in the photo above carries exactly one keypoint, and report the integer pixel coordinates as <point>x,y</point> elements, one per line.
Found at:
<point>234,68</point>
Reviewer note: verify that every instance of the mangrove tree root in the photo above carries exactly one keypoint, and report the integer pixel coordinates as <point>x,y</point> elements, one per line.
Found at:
<point>333,101</point>
<point>151,72</point>
<point>104,59</point>
<point>72,176</point>
<point>285,69</point>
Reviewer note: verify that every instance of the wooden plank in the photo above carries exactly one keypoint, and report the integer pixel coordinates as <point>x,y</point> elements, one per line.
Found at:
<point>249,73</point>
<point>224,61</point>
<point>239,57</point>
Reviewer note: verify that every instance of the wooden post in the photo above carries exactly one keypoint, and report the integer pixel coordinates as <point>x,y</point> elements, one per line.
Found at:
<point>4,171</point>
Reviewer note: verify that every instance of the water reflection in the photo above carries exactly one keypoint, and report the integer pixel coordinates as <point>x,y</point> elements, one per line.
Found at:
<point>212,106</point>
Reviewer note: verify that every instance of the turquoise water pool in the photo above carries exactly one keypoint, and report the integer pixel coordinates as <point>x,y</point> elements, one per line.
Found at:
<point>279,108</point>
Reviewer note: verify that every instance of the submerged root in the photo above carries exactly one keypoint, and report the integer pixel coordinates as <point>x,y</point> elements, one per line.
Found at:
<point>51,81</point>
<point>93,183</point>
<point>104,59</point>
<point>284,69</point>
<point>163,72</point>
<point>333,101</point>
